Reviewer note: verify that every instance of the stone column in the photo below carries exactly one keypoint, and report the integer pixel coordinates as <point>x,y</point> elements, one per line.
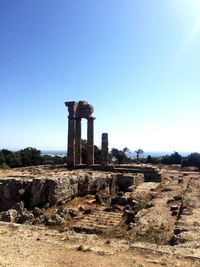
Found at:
<point>90,141</point>
<point>104,150</point>
<point>72,106</point>
<point>71,141</point>
<point>78,150</point>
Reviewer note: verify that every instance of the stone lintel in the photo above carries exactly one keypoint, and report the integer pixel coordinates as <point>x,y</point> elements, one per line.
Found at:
<point>84,110</point>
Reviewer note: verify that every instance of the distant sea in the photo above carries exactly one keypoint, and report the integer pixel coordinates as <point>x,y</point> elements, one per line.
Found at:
<point>146,153</point>
<point>163,153</point>
<point>54,152</point>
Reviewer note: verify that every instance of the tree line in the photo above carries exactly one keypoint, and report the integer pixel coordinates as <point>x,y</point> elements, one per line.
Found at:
<point>27,157</point>
<point>32,157</point>
<point>192,160</point>
<point>125,156</point>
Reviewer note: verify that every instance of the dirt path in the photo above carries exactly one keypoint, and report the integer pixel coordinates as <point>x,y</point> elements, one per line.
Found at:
<point>32,246</point>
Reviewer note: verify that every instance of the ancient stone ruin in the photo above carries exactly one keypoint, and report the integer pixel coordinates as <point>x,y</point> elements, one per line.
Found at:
<point>78,111</point>
<point>124,206</point>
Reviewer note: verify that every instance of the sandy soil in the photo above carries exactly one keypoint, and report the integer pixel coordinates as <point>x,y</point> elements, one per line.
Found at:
<point>22,246</point>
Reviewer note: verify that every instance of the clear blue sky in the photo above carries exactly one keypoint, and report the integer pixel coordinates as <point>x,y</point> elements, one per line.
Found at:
<point>136,61</point>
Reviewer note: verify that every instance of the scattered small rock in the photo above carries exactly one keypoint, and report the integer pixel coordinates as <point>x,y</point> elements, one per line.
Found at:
<point>174,213</point>
<point>85,210</point>
<point>73,213</point>
<point>131,188</point>
<point>37,212</point>
<point>177,231</point>
<point>9,215</point>
<point>83,248</point>
<point>166,189</point>
<point>173,240</point>
<point>46,206</point>
<point>177,198</point>
<point>54,220</point>
<point>130,226</point>
<point>180,180</point>
<point>120,193</point>
<point>25,217</point>
<point>172,208</point>
<point>19,206</point>
<point>130,216</point>
<point>80,248</point>
<point>101,253</point>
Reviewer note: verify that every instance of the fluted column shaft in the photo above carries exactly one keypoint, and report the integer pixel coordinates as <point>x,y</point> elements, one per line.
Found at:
<point>78,148</point>
<point>90,141</point>
<point>71,141</point>
<point>104,150</point>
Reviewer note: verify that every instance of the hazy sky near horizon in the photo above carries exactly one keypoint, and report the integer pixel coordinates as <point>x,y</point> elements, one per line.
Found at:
<point>137,62</point>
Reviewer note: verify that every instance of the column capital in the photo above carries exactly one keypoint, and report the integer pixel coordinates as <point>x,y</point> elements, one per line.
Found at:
<point>72,106</point>
<point>91,118</point>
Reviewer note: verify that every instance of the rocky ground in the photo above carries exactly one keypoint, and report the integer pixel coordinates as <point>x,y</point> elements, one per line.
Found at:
<point>23,245</point>
<point>148,224</point>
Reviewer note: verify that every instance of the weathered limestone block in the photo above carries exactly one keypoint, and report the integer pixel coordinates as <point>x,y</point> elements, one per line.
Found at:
<point>54,190</point>
<point>92,183</point>
<point>64,190</point>
<point>38,192</point>
<point>12,191</point>
<point>125,181</point>
<point>57,190</point>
